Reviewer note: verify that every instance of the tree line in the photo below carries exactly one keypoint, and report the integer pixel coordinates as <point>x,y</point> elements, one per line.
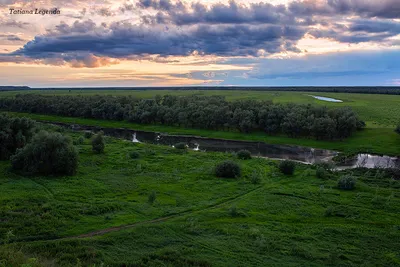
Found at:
<point>203,112</point>
<point>386,90</point>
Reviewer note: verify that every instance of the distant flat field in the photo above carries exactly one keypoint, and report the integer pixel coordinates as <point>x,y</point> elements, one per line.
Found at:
<point>377,110</point>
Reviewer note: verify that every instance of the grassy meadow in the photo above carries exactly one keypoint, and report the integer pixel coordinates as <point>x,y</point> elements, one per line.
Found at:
<point>175,212</point>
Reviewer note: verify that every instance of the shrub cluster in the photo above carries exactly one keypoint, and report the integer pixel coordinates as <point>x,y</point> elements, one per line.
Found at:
<point>88,134</point>
<point>235,212</point>
<point>206,112</point>
<point>244,154</point>
<point>180,146</point>
<point>347,182</point>
<point>397,130</point>
<point>134,155</point>
<point>287,167</point>
<point>227,169</point>
<point>98,143</point>
<point>47,153</point>
<point>321,173</point>
<point>255,177</point>
<point>79,141</point>
<point>152,197</point>
<point>14,133</point>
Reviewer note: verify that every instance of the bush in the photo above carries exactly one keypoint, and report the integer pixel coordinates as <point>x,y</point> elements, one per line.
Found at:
<point>287,167</point>
<point>328,166</point>
<point>98,143</point>
<point>235,212</point>
<point>321,173</point>
<point>134,155</point>
<point>244,154</point>
<point>394,173</point>
<point>361,125</point>
<point>227,169</point>
<point>152,197</point>
<point>12,256</point>
<point>48,153</point>
<point>88,134</point>
<point>150,152</point>
<point>14,133</point>
<point>180,146</point>
<point>79,141</point>
<point>255,177</point>
<point>397,130</point>
<point>347,182</point>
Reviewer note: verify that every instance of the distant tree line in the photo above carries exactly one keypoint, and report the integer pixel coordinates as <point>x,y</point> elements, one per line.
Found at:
<point>13,88</point>
<point>203,112</point>
<point>387,90</point>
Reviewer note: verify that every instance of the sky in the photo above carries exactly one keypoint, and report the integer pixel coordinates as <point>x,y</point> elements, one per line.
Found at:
<point>132,43</point>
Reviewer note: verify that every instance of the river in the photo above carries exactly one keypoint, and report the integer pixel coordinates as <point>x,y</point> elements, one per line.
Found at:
<point>301,154</point>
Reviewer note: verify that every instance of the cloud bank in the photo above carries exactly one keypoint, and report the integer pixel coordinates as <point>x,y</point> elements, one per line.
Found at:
<point>166,28</point>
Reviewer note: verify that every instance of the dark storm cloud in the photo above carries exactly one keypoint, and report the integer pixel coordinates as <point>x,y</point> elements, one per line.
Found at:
<point>176,12</point>
<point>177,28</point>
<point>58,3</point>
<point>359,31</point>
<point>231,13</point>
<point>165,5</point>
<point>121,40</point>
<point>373,26</point>
<point>365,8</point>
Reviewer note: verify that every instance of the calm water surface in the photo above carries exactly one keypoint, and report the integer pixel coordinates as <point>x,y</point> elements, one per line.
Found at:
<point>301,154</point>
<point>327,99</point>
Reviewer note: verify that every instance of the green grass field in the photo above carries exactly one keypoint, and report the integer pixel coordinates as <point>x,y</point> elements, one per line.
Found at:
<point>196,219</point>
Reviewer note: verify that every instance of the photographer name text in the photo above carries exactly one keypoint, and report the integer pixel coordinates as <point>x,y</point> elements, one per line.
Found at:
<point>35,11</point>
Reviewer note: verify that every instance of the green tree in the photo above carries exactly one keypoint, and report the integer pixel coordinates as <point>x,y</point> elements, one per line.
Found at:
<point>347,182</point>
<point>244,154</point>
<point>47,153</point>
<point>287,167</point>
<point>14,133</point>
<point>228,169</point>
<point>98,143</point>
<point>324,128</point>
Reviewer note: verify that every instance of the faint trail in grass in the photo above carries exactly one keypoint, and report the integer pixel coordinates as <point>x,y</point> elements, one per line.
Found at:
<point>162,219</point>
<point>238,258</point>
<point>46,189</point>
<point>291,195</point>
<point>158,220</point>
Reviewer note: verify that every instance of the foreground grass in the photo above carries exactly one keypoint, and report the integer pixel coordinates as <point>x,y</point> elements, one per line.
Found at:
<point>196,219</point>
<point>370,140</point>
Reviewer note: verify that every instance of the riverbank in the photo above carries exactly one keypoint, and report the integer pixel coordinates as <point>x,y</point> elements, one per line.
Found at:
<point>381,141</point>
